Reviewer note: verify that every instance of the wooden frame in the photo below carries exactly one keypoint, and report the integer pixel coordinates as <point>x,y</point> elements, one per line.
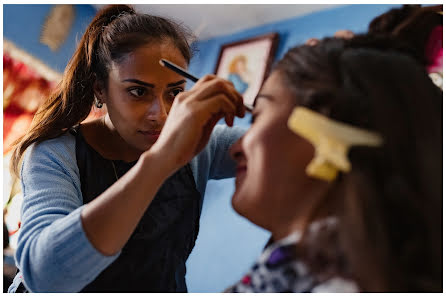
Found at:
<point>247,63</point>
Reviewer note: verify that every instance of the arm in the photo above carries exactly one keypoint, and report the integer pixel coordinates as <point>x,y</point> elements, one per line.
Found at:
<point>105,224</point>
<point>56,253</point>
<point>215,162</point>
<point>222,165</point>
<point>53,253</point>
<point>110,219</point>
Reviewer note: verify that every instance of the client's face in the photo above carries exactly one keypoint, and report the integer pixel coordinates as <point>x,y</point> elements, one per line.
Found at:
<point>271,182</point>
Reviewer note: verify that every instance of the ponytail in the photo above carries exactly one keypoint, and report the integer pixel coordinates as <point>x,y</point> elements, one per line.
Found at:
<point>73,98</point>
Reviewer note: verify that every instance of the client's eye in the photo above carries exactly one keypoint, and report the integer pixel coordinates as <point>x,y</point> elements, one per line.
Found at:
<point>253,117</point>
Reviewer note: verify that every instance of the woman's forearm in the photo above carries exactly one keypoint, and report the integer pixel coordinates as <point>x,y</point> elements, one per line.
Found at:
<point>110,219</point>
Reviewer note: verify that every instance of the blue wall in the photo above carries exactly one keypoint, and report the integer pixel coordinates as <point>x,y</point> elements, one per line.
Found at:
<point>22,25</point>
<point>227,244</point>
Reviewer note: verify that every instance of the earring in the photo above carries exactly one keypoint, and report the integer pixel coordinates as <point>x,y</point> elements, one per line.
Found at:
<point>97,102</point>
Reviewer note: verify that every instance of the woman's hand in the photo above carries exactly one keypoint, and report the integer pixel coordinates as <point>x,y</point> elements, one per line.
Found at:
<point>192,118</point>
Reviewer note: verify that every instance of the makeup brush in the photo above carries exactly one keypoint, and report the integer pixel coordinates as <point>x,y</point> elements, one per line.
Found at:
<point>178,69</point>
<point>184,73</point>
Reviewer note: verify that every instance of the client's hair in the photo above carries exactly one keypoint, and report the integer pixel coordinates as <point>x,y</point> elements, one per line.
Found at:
<point>411,24</point>
<point>389,236</point>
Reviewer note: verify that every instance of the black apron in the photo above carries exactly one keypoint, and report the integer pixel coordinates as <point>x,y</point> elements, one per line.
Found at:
<point>154,258</point>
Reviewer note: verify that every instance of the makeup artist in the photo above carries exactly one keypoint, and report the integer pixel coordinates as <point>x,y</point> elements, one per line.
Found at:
<point>113,205</point>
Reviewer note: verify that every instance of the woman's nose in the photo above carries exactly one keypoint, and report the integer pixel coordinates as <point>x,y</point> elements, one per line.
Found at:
<point>158,110</point>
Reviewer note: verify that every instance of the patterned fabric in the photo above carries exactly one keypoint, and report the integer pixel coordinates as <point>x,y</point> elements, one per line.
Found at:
<point>279,271</point>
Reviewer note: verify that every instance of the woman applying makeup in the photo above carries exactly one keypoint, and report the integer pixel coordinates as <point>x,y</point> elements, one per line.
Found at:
<point>343,165</point>
<point>113,205</point>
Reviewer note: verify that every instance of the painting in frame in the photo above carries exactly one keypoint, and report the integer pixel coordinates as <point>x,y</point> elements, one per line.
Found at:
<point>246,64</point>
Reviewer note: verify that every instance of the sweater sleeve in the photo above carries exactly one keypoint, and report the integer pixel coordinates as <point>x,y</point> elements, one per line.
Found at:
<point>215,162</point>
<point>222,165</point>
<point>53,253</point>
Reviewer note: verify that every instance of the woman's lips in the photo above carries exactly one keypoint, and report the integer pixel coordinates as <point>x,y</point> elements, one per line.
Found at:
<point>240,174</point>
<point>151,135</point>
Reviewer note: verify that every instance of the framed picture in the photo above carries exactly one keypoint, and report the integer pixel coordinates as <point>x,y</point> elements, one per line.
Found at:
<point>246,64</point>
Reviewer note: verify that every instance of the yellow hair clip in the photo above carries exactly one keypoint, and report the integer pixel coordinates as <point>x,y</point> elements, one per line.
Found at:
<point>331,140</point>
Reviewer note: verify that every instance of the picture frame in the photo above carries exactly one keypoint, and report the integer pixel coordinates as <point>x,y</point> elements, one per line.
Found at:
<point>246,63</point>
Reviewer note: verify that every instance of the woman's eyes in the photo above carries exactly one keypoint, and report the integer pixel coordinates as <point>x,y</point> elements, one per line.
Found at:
<point>174,92</point>
<point>137,92</point>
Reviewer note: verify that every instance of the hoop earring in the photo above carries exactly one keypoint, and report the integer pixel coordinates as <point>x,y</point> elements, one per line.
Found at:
<point>97,103</point>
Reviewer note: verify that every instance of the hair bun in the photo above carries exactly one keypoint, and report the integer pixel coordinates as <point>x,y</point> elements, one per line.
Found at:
<point>387,22</point>
<point>385,43</point>
<point>114,11</point>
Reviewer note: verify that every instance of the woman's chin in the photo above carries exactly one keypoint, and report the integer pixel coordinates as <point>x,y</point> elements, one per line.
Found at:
<point>144,146</point>
<point>239,203</point>
<point>235,201</point>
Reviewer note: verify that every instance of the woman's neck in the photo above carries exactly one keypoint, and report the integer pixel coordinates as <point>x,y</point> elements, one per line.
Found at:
<point>105,139</point>
<point>314,204</point>
<point>284,231</point>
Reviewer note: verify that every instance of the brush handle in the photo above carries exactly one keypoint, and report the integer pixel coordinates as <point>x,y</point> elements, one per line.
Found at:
<point>184,73</point>
<point>178,70</point>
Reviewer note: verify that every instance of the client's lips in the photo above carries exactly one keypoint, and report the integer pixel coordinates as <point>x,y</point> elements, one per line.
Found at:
<point>240,169</point>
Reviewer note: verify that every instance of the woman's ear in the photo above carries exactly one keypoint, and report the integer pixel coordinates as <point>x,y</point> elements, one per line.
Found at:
<point>99,89</point>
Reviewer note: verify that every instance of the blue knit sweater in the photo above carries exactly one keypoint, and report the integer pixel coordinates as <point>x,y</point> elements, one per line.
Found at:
<point>53,253</point>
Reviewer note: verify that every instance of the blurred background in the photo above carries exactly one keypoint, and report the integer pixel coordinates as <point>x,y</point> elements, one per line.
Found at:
<point>38,41</point>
